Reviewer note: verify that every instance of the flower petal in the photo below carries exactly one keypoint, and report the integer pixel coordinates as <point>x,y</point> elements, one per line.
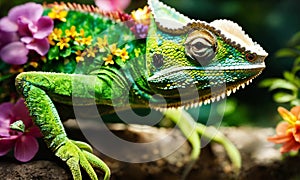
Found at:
<point>282,128</point>
<point>296,131</point>
<point>120,4</point>
<point>296,111</point>
<point>14,53</point>
<point>6,144</point>
<point>7,25</point>
<point>289,145</point>
<point>20,112</point>
<point>287,115</point>
<point>4,132</point>
<point>26,26</point>
<point>279,139</point>
<point>105,5</point>
<point>5,112</point>
<point>7,37</point>
<point>35,132</point>
<point>26,39</point>
<point>45,26</point>
<point>26,148</point>
<point>112,5</point>
<point>41,46</point>
<point>31,11</point>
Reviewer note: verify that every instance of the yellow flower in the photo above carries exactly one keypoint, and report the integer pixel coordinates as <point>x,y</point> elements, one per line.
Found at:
<point>72,32</point>
<point>113,49</point>
<point>108,60</point>
<point>87,41</point>
<point>34,64</point>
<point>91,52</point>
<point>102,43</point>
<point>64,42</point>
<point>51,40</point>
<point>58,12</point>
<point>137,52</point>
<point>55,36</point>
<point>79,56</point>
<point>141,16</point>
<point>84,41</point>
<point>122,53</point>
<point>81,33</point>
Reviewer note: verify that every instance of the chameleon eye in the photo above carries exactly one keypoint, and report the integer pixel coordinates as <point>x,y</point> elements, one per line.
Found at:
<point>157,60</point>
<point>201,45</point>
<point>251,57</point>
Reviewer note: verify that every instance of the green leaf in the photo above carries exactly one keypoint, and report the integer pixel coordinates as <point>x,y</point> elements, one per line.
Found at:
<point>53,53</point>
<point>282,97</point>
<point>283,84</point>
<point>4,77</point>
<point>268,82</point>
<point>119,61</point>
<point>295,102</point>
<point>297,81</point>
<point>3,66</point>
<point>295,39</point>
<point>289,76</point>
<point>297,61</point>
<point>67,52</point>
<point>286,52</point>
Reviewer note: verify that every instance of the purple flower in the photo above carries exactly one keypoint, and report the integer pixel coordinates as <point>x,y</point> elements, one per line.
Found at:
<point>22,30</point>
<point>24,143</point>
<point>140,31</point>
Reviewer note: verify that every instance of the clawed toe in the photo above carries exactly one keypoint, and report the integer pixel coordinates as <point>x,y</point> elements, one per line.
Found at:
<point>79,155</point>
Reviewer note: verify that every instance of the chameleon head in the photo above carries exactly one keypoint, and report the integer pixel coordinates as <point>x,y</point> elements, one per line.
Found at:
<point>185,56</point>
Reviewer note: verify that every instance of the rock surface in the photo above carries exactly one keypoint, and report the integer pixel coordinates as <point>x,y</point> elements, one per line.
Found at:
<point>261,160</point>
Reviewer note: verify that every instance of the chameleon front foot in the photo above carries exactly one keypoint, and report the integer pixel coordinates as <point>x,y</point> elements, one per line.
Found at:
<point>79,155</point>
<point>193,131</point>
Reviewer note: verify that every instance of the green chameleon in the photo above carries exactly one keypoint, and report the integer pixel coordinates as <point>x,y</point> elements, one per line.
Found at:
<point>181,63</point>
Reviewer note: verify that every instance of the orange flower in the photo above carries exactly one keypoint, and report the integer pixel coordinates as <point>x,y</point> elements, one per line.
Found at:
<point>288,132</point>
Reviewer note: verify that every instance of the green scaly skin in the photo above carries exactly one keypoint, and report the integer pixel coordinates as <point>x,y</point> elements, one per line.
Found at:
<point>191,57</point>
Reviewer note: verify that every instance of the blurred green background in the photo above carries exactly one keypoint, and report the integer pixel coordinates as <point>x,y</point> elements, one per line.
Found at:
<point>270,23</point>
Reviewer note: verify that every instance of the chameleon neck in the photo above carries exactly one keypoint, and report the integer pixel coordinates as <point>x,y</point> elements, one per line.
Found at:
<point>136,75</point>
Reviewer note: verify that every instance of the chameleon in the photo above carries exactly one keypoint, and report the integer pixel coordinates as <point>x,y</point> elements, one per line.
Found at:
<point>177,63</point>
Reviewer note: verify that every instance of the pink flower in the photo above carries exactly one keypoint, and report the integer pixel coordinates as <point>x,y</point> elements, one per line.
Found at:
<point>24,142</point>
<point>112,5</point>
<point>288,132</point>
<point>22,30</point>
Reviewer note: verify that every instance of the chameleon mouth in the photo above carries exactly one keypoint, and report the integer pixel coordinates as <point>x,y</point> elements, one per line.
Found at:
<point>169,72</point>
<point>193,92</point>
<point>204,99</point>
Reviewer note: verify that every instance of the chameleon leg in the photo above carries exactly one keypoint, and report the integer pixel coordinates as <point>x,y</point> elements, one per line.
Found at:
<point>76,154</point>
<point>193,130</point>
<point>187,126</point>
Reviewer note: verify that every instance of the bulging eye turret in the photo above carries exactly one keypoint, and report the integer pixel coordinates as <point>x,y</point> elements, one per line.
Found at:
<point>201,45</point>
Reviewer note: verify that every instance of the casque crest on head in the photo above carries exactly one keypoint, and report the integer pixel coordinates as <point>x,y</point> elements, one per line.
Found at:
<point>214,54</point>
<point>173,22</point>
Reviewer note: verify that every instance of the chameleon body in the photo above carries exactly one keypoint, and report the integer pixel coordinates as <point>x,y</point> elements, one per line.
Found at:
<point>181,63</point>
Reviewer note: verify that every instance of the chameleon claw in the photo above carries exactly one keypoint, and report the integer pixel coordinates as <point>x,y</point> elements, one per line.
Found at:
<point>98,163</point>
<point>78,154</point>
<point>83,146</point>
